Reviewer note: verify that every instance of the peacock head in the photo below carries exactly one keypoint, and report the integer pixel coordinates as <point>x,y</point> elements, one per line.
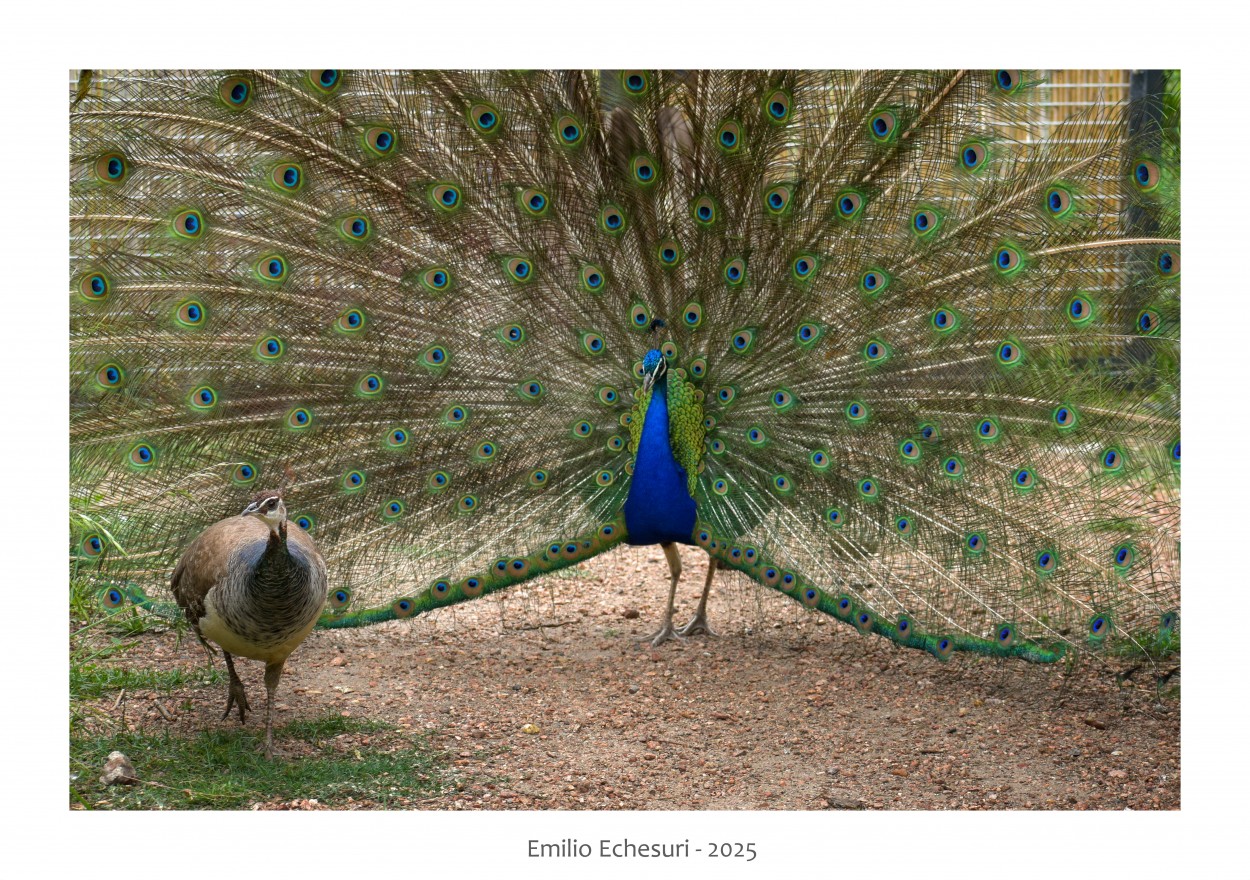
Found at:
<point>654,365</point>
<point>269,507</point>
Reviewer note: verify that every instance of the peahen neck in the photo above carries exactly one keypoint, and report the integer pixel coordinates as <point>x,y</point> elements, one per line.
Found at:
<point>658,509</point>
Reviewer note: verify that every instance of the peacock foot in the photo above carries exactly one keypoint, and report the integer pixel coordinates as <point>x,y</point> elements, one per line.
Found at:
<point>236,696</point>
<point>698,625</point>
<point>662,635</point>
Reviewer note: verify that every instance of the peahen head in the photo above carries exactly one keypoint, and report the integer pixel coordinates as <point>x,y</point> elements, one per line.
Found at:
<point>269,507</point>
<point>654,366</point>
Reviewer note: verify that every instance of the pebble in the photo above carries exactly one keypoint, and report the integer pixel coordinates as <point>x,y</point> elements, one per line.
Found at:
<point>118,770</point>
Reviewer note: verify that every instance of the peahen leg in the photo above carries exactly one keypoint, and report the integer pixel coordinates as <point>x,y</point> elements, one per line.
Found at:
<point>666,631</point>
<point>698,624</point>
<point>273,674</point>
<point>236,694</point>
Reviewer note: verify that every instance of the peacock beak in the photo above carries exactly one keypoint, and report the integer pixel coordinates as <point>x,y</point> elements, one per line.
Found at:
<point>251,509</point>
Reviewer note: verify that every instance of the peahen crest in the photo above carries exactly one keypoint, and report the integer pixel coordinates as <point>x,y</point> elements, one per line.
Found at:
<point>917,364</point>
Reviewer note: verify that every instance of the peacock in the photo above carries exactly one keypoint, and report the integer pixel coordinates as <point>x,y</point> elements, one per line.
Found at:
<point>883,341</point>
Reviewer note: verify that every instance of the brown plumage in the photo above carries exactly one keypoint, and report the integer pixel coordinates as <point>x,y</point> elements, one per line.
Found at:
<point>255,588</point>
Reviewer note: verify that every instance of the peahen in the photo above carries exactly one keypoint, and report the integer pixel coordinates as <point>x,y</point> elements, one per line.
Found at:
<point>255,587</point>
<point>882,341</point>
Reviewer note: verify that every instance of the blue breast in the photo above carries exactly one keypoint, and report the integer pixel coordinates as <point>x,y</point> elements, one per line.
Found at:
<point>658,509</point>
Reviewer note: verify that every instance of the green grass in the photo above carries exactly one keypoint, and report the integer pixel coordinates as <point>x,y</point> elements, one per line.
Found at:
<point>224,768</point>
<point>87,681</point>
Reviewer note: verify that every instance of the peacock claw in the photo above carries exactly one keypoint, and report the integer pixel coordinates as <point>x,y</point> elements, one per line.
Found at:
<point>236,696</point>
<point>697,626</point>
<point>662,635</point>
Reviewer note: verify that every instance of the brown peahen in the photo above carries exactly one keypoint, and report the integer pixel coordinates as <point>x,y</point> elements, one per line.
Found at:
<point>888,342</point>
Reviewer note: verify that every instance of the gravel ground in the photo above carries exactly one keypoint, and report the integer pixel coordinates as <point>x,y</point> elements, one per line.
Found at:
<point>544,697</point>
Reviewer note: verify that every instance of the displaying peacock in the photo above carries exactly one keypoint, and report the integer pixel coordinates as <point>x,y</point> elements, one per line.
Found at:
<point>882,341</point>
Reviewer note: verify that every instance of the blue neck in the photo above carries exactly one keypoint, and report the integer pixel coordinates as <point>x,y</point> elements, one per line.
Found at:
<point>658,509</point>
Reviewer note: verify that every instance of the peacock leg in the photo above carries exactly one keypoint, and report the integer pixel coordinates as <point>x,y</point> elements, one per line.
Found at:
<point>236,694</point>
<point>273,674</point>
<point>666,631</point>
<point>698,624</point>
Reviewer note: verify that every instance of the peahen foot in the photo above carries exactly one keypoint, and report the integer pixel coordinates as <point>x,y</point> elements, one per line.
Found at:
<point>664,634</point>
<point>236,695</point>
<point>697,626</point>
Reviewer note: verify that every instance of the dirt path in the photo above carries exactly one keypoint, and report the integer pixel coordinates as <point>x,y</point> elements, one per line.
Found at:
<point>785,710</point>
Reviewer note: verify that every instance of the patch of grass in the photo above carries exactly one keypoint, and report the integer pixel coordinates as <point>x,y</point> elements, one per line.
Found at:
<point>225,768</point>
<point>88,681</point>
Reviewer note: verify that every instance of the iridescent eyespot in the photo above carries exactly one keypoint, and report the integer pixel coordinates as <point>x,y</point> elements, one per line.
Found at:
<point>735,272</point>
<point>777,199</point>
<point>351,321</point>
<point>1146,175</point>
<point>1008,353</point>
<point>669,350</point>
<point>1007,260</point>
<point>1111,459</point>
<point>953,467</point>
<point>1047,561</point>
<point>582,429</point>
<point>777,106</point>
<point>834,517</point>
<point>202,398</point>
<point>92,545</point>
<point>142,455</point>
<point>271,268</point>
<point>608,395</point>
<point>904,627</point>
<point>716,447</point>
<point>604,478</point>
<point>882,126</point>
<point>615,443</point>
<point>704,211</point>
<point>467,503</point>
<point>972,156</point>
<point>402,608</point>
<point>1099,626</point>
<point>729,137</point>
<point>569,131</point>
<point>531,390</point>
<point>325,81</point>
<point>445,196</point>
<point>1023,479</point>
<point>820,460</point>
<point>1168,264</point>
<point>868,488</point>
<point>782,400</point>
<point>438,481</point>
<point>1005,635</point>
<point>538,477</point>
<point>1122,557</point>
<point>930,433</point>
<point>1175,452</point>
<point>270,348</point>
<point>512,334</point>
<point>944,320</point>
<point>644,170</point>
<point>592,343</point>
<point>519,269</point>
<point>612,220</point>
<point>1007,80</point>
<point>1080,310</point>
<point>974,543</point>
<point>864,621</point>
<point>692,315</point>
<point>435,357</point>
<point>305,522</point>
<point>874,281</point>
<point>485,118</point>
<point>639,316</point>
<point>396,438</point>
<point>110,376</point>
<point>355,228</point>
<point>436,280</point>
<point>393,509</point>
<point>299,418</point>
<point>236,91</point>
<point>111,168</point>
<point>909,450</point>
<point>592,278</point>
<point>486,451</point>
<point>339,598</point>
<point>850,203</point>
<point>720,487</point>
<point>987,429</point>
<point>1148,322</point>
<point>1065,417</point>
<point>925,221</point>
<point>876,351</point>
<point>380,140</point>
<point>726,394</point>
<point>1058,201</point>
<point>804,267</point>
<point>636,82</point>
<point>709,422</point>
<point>807,334</point>
<point>670,253</point>
<point>287,177</point>
<point>94,286</point>
<point>856,411</point>
<point>112,598</point>
<point>742,340</point>
<point>244,473</point>
<point>534,202</point>
<point>188,224</point>
<point>810,596</point>
<point>698,368</point>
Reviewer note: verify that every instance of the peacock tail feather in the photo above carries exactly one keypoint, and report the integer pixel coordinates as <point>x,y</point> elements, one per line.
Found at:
<point>923,363</point>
